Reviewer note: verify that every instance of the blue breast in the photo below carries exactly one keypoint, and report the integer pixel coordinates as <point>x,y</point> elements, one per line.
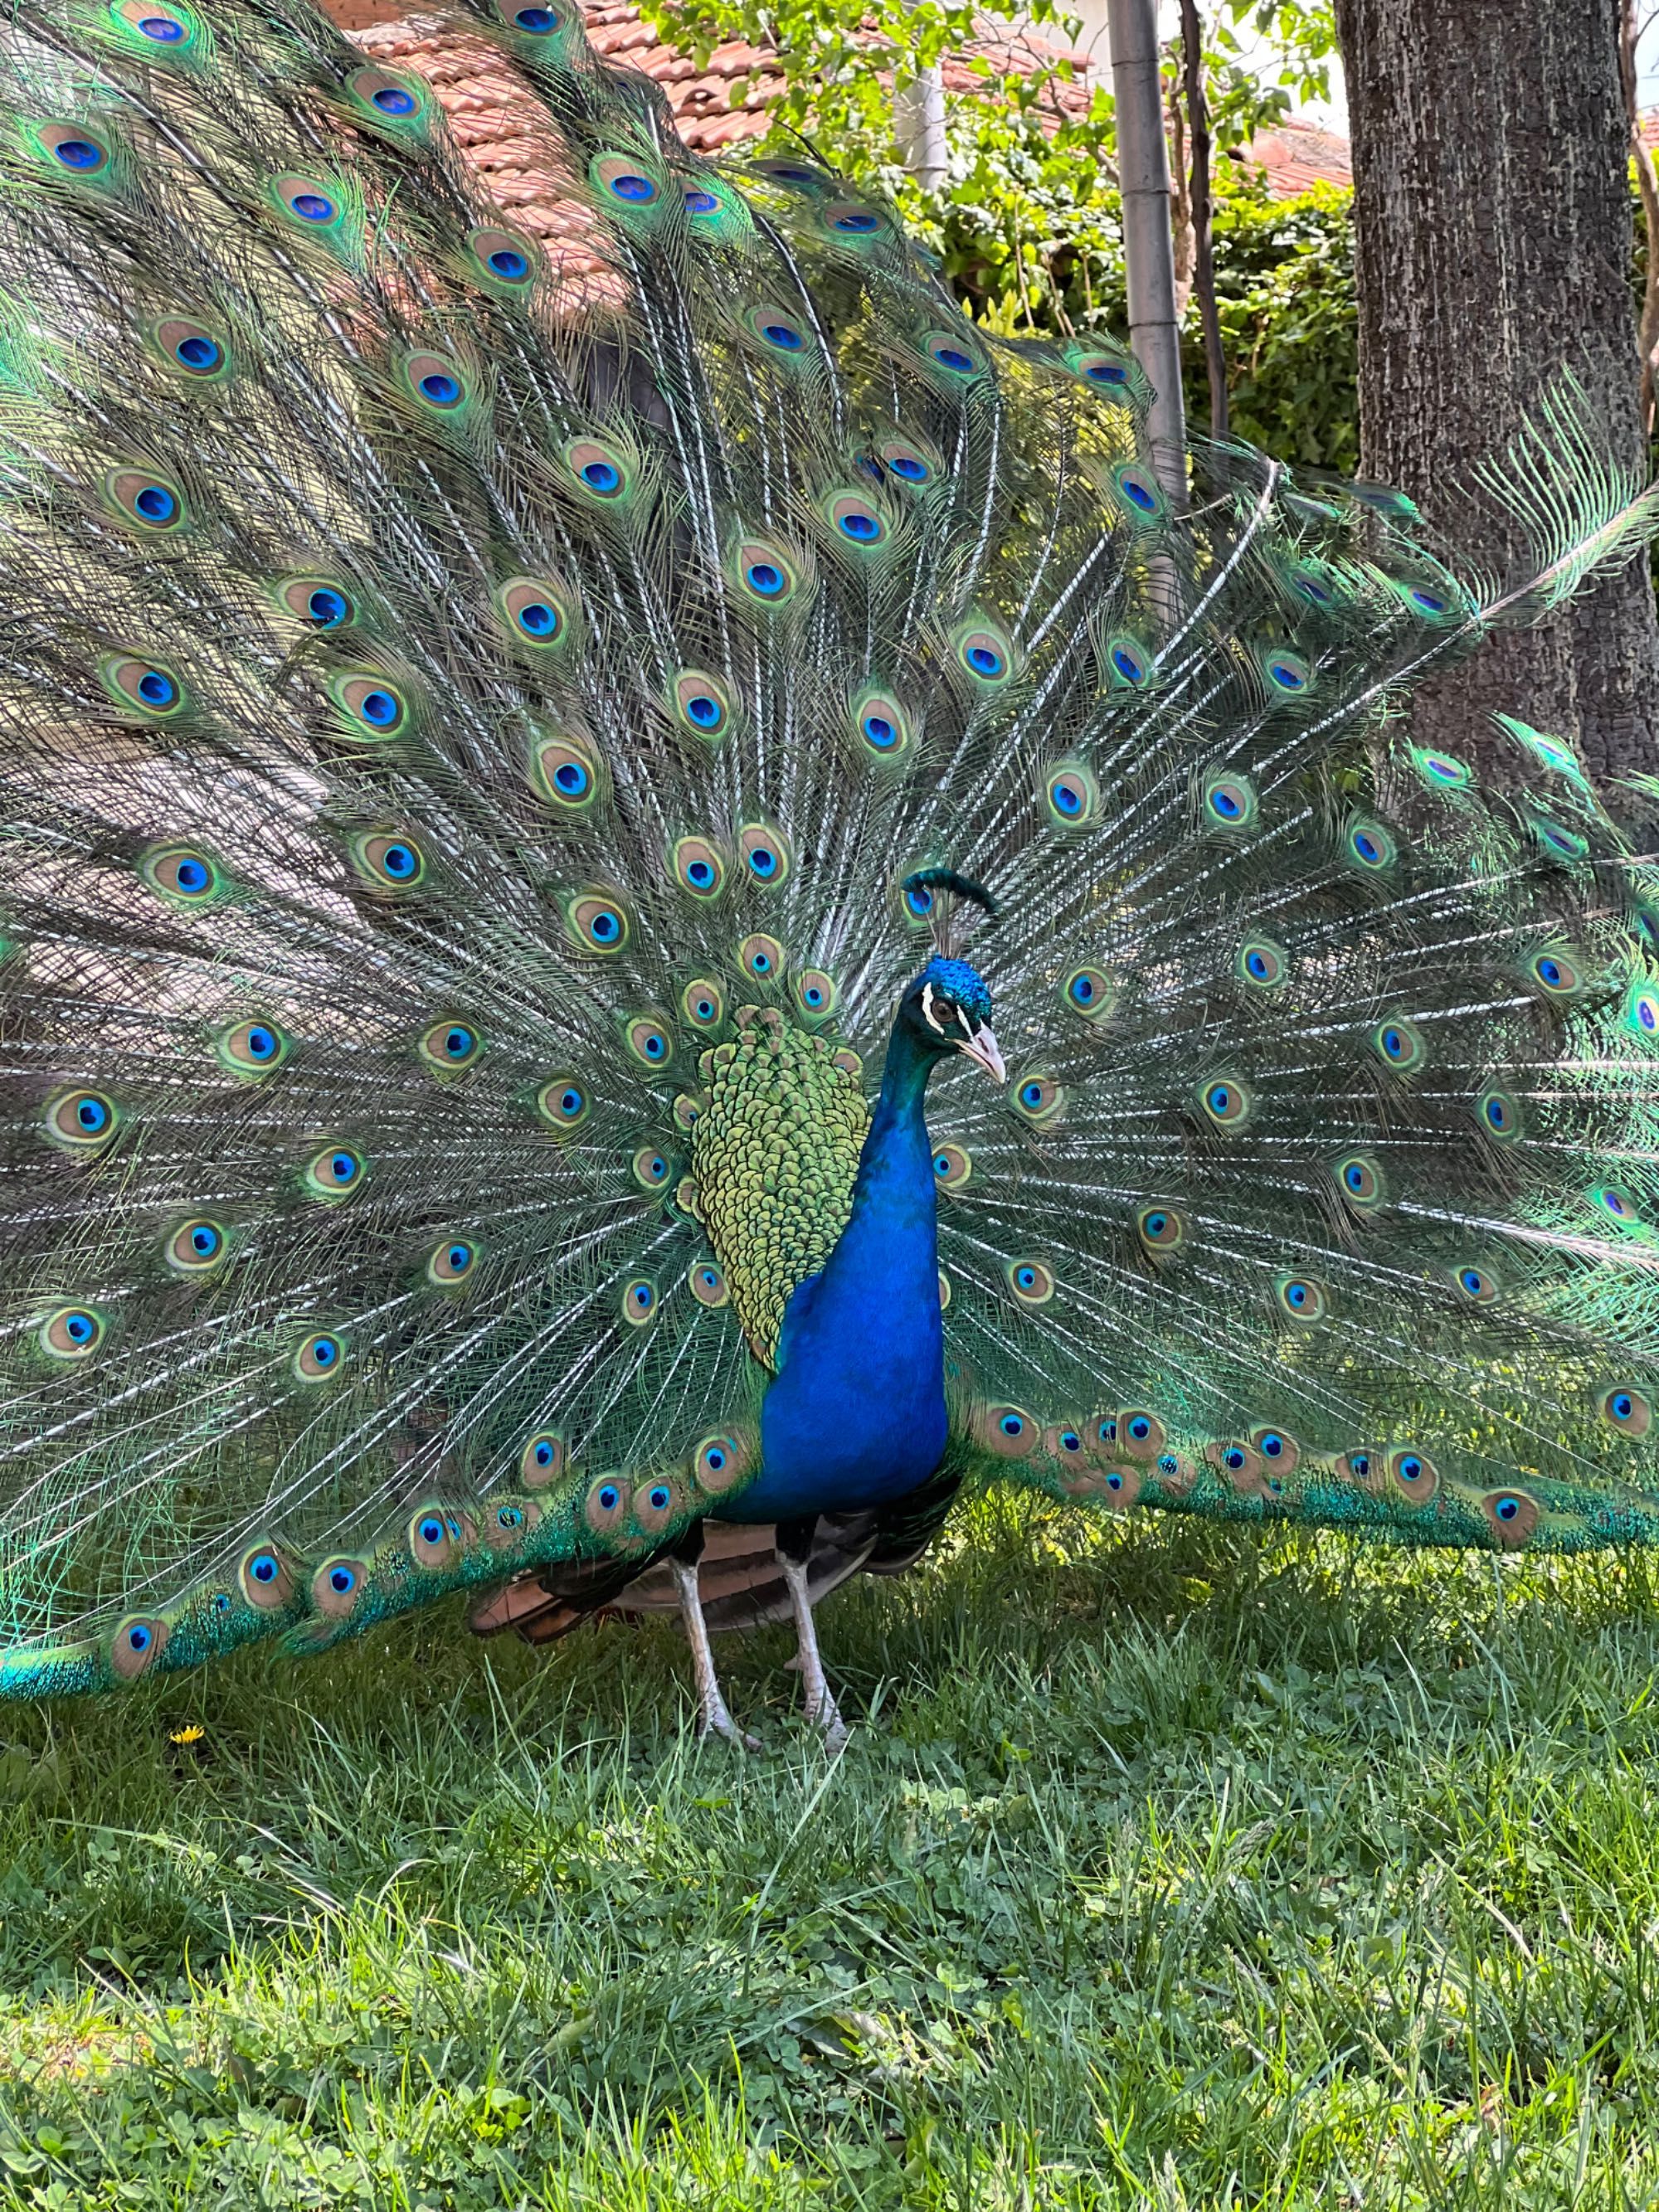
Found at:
<point>856,1415</point>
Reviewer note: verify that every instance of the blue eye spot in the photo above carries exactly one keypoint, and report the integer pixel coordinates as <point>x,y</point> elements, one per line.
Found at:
<point>605,927</point>
<point>1256,964</point>
<point>204,1240</point>
<point>1286,677</point>
<point>539,21</point>
<point>859,225</point>
<point>543,1454</point>
<point>714,1458</point>
<point>1431,601</point>
<point>880,732</point>
<point>156,690</point>
<point>1297,1294</point>
<point>602,475</point>
<point>984,661</point>
<point>763,863</point>
<point>1106,372</point>
<point>1498,1114</point>
<point>701,872</point>
<point>327,607</point>
<point>637,189</point>
<point>918,899</point>
<point>379,707</point>
<point>1140,1428</point>
<point>393,99</point>
<point>193,878</point>
<point>508,262</point>
<point>92,1115</point>
<point>1067,797</point>
<point>156,503</point>
<point>344,1166</point>
<point>1549,971</point>
<point>1070,1440</point>
<point>863,529</point>
<point>660,1496</point>
<point>1410,1467</point>
<point>139,1638</point>
<point>312,207</point>
<point>460,1258</point>
<point>1507,1508</point>
<point>198,353</point>
<point>1225,803</point>
<point>1156,1224</point>
<point>458,1042</point>
<point>1272,1447</point>
<point>609,1497</point>
<point>1365,845</point>
<point>324,1350</point>
<point>765,578</point>
<point>1012,1425</point>
<point>509,1517</point>
<point>700,203</point>
<point>571,778</point>
<point>264,1568</point>
<point>953,358</point>
<point>1114,1480</point>
<point>441,388</point>
<point>432,1530</point>
<point>1031,1095</point>
<point>78,154</point>
<point>1473,1281</point>
<point>342,1579</point>
<point>261,1042</point>
<point>537,619</point>
<point>80,1328</point>
<point>162,29</point>
<point>783,336</point>
<point>1139,495</point>
<point>1355,1177</point>
<point>1026,1277</point>
<point>704,711</point>
<point>1232,1458</point>
<point>1129,666</point>
<point>570,1102</point>
<point>909,468</point>
<point>1220,1099</point>
<point>1083,990</point>
<point>398,862</point>
<point>643,1298</point>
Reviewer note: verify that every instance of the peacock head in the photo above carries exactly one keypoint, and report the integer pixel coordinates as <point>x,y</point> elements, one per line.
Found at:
<point>948,1009</point>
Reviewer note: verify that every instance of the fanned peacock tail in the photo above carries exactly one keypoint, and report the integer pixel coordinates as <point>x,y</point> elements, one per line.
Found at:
<point>469,721</point>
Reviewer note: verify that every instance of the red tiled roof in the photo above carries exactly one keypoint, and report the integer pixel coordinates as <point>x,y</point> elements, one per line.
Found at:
<point>1296,155</point>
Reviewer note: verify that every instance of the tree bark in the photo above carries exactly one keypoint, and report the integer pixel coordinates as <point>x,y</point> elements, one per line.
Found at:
<point>1492,248</point>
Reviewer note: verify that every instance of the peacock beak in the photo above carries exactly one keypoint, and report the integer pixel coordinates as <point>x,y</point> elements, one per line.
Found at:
<point>981,1049</point>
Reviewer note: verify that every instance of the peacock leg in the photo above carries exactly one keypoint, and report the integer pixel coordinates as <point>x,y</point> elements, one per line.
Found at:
<point>794,1552</point>
<point>714,1715</point>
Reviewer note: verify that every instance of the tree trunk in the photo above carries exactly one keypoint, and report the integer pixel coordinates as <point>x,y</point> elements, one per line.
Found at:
<point>1492,247</point>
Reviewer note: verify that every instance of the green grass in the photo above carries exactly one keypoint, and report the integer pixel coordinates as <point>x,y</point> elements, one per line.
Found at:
<point>1167,1868</point>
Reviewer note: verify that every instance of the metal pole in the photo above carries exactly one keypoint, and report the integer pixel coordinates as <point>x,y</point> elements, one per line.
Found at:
<point>919,126</point>
<point>1143,169</point>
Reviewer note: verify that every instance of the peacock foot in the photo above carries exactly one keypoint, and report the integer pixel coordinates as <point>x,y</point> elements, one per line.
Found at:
<point>717,1720</point>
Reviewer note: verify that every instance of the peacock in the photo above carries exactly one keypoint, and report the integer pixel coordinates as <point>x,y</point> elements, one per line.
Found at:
<point>657,900</point>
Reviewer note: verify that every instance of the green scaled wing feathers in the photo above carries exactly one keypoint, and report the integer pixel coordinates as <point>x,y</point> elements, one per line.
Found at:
<point>468,705</point>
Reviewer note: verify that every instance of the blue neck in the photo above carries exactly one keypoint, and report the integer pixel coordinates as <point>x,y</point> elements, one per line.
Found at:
<point>857,1413</point>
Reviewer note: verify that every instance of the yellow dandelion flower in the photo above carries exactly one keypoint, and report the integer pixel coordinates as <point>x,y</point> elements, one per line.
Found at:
<point>191,1733</point>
